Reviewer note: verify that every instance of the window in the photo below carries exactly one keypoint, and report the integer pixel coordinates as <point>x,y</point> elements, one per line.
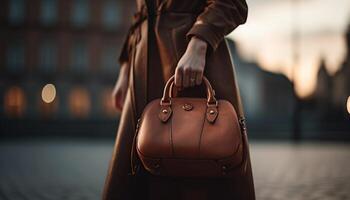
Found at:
<point>48,12</point>
<point>110,59</point>
<point>63,90</point>
<point>16,11</point>
<point>14,102</point>
<point>79,56</point>
<point>111,14</point>
<point>79,102</point>
<point>15,56</point>
<point>48,56</point>
<point>80,13</point>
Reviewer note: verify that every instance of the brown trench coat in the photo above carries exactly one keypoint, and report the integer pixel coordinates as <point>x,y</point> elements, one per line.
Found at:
<point>156,41</point>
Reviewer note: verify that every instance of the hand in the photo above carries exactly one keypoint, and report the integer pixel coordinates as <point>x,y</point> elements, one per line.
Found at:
<point>121,87</point>
<point>190,68</point>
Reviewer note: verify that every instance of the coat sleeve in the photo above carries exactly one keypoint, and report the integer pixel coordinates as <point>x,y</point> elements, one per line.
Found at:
<point>218,19</point>
<point>125,51</point>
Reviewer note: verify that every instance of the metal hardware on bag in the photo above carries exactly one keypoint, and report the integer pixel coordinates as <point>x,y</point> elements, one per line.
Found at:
<point>242,123</point>
<point>165,103</point>
<point>164,113</point>
<point>138,125</point>
<point>135,165</point>
<point>156,165</point>
<point>212,112</point>
<point>224,170</point>
<point>135,169</point>
<point>187,107</point>
<point>216,104</point>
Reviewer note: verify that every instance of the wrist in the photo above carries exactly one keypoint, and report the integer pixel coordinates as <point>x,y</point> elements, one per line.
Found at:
<point>198,45</point>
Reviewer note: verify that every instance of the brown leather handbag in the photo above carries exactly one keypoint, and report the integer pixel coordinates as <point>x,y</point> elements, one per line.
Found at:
<point>188,137</point>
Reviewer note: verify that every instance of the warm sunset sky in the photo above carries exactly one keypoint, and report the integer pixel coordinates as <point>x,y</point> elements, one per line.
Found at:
<point>266,37</point>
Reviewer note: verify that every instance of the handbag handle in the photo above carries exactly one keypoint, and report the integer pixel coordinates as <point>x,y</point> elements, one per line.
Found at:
<point>165,102</point>
<point>167,93</point>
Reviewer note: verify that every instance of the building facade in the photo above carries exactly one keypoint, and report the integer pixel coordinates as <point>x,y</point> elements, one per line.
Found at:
<point>59,58</point>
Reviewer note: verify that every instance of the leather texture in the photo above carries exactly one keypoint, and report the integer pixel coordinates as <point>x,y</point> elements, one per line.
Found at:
<point>156,41</point>
<point>189,137</point>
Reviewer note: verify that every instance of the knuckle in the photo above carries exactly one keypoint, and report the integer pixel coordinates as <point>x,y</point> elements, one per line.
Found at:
<point>200,69</point>
<point>187,69</point>
<point>179,69</point>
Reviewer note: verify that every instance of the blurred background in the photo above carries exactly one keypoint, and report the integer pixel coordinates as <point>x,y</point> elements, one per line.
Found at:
<point>58,66</point>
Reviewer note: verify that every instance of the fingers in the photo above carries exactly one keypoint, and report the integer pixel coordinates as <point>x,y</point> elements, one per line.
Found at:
<point>193,78</point>
<point>120,89</point>
<point>117,101</point>
<point>199,77</point>
<point>118,98</point>
<point>186,77</point>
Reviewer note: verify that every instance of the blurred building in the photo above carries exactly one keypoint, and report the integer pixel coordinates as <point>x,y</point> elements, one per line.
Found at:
<point>269,101</point>
<point>267,97</point>
<point>332,97</point>
<point>58,62</point>
<point>341,83</point>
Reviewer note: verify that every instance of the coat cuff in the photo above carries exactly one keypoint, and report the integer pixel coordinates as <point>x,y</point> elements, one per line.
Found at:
<point>207,33</point>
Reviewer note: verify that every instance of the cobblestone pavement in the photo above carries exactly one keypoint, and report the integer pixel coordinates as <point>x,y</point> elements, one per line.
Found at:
<point>301,172</point>
<point>75,170</point>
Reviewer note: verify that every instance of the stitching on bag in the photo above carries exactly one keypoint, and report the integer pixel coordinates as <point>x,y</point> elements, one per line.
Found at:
<point>200,137</point>
<point>182,158</point>
<point>171,136</point>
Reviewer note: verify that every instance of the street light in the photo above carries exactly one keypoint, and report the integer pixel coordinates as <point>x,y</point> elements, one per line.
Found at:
<point>48,93</point>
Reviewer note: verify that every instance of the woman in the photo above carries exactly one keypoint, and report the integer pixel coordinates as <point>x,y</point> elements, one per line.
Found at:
<point>185,38</point>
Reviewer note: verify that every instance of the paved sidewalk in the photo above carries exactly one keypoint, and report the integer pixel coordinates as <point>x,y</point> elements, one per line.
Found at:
<point>301,172</point>
<point>62,169</point>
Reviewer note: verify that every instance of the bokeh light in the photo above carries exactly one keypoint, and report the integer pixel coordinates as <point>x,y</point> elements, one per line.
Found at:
<point>48,93</point>
<point>348,104</point>
<point>79,102</point>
